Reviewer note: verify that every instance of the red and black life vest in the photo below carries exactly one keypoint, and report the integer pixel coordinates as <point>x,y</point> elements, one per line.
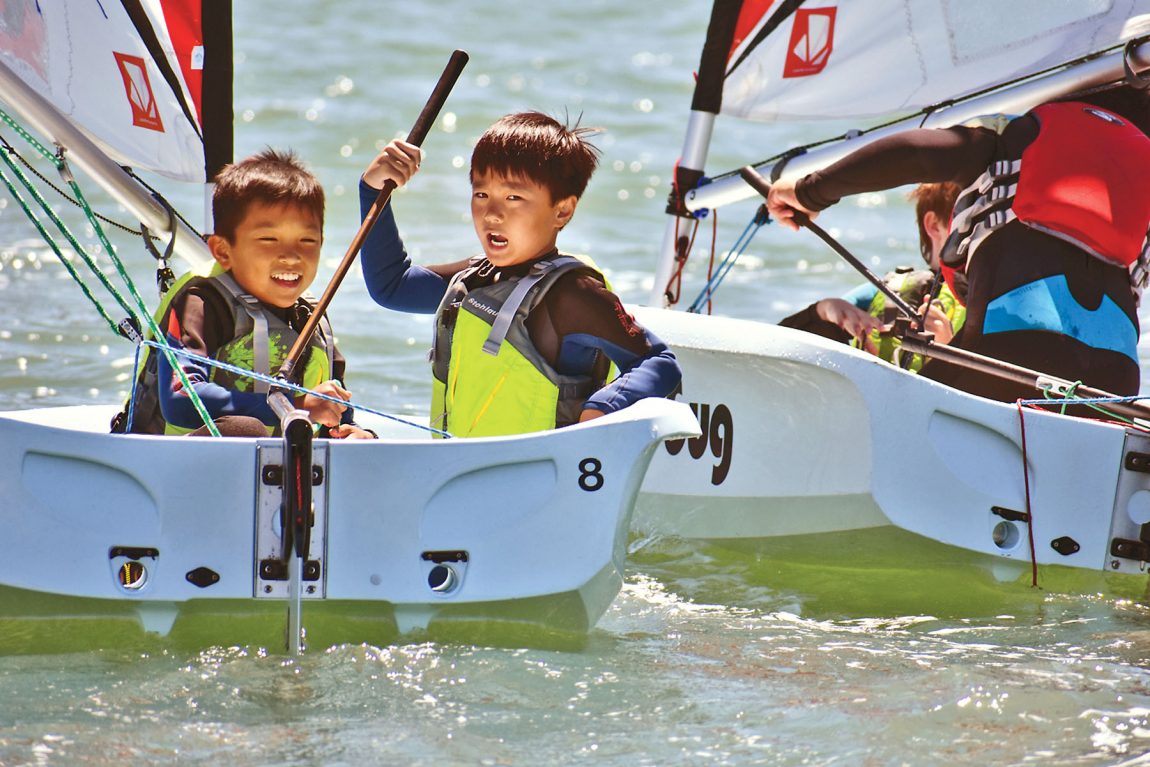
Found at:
<point>1083,179</point>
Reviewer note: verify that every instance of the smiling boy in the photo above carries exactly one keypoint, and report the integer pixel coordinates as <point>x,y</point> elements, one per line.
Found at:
<point>525,336</point>
<point>268,212</point>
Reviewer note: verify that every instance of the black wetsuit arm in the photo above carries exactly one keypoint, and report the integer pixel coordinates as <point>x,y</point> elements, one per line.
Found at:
<point>925,155</point>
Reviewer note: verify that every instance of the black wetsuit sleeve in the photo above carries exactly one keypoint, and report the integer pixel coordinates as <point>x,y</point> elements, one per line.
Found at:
<point>590,323</point>
<point>925,155</point>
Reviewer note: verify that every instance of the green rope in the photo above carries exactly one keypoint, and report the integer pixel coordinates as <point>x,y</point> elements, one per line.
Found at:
<point>66,232</point>
<point>141,309</point>
<point>47,238</point>
<point>48,155</point>
<point>149,321</point>
<point>1069,399</point>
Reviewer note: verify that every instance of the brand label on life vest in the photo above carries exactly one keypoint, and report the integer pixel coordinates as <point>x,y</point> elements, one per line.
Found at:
<point>1103,115</point>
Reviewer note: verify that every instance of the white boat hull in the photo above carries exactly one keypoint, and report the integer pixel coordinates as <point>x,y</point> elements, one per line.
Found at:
<point>530,530</point>
<point>804,436</point>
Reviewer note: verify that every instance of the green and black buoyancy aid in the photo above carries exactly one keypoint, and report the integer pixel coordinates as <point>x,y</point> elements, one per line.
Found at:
<point>912,285</point>
<point>482,353</point>
<point>260,342</point>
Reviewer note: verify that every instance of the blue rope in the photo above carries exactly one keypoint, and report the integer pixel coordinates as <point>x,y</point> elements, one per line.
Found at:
<point>1085,401</point>
<point>728,263</point>
<point>275,382</point>
<point>135,388</point>
<point>1093,402</point>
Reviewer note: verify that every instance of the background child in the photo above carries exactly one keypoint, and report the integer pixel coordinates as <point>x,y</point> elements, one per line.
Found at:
<point>268,212</point>
<point>525,336</point>
<point>1048,267</point>
<point>862,316</point>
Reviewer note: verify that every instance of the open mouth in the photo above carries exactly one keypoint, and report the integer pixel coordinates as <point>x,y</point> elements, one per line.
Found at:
<point>496,241</point>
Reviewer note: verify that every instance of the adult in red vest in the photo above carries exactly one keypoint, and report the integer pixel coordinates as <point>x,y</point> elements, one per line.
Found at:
<point>1048,240</point>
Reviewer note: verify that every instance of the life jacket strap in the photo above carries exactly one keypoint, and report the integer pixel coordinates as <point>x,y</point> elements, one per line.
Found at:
<point>511,306</point>
<point>507,312</point>
<point>251,304</point>
<point>1140,269</point>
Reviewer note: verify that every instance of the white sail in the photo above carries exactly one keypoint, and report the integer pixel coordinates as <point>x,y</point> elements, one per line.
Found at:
<point>830,59</point>
<point>116,72</point>
<point>774,60</point>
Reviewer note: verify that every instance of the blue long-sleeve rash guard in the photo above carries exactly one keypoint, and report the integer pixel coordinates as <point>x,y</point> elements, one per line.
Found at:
<point>647,368</point>
<point>179,411</point>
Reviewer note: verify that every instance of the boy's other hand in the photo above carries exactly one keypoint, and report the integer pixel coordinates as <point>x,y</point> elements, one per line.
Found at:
<point>398,162</point>
<point>938,323</point>
<point>850,318</point>
<point>324,411</point>
<point>590,414</point>
<point>350,431</point>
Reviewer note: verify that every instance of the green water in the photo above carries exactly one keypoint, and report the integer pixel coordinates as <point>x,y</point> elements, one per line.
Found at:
<point>824,654</point>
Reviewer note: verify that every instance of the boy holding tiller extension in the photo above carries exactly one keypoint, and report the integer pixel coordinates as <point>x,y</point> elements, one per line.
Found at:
<point>525,335</point>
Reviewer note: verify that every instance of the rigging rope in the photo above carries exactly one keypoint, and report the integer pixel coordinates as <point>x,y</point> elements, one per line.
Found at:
<point>278,383</point>
<point>130,326</point>
<point>1062,402</point>
<point>65,231</point>
<point>1026,485</point>
<point>759,220</point>
<point>49,155</point>
<point>51,243</point>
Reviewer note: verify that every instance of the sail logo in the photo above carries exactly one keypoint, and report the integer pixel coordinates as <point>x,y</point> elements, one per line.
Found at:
<point>812,39</point>
<point>145,110</point>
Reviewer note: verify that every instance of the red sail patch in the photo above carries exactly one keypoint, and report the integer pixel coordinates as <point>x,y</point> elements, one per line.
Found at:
<point>812,39</point>
<point>145,111</point>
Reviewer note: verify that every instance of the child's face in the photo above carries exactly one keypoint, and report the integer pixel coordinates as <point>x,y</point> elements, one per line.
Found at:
<point>275,254</point>
<point>515,218</point>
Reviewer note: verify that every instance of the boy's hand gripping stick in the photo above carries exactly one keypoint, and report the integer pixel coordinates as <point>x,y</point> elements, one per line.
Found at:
<point>418,133</point>
<point>763,187</point>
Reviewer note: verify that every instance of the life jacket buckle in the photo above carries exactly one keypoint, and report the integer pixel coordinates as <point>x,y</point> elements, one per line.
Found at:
<point>129,328</point>
<point>997,218</point>
<point>1000,192</point>
<point>984,182</point>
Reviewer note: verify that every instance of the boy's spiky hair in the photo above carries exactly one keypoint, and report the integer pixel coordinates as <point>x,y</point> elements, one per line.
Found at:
<point>539,148</point>
<point>270,177</point>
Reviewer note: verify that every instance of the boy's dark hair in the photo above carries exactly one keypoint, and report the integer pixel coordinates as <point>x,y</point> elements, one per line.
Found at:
<point>539,148</point>
<point>270,177</point>
<point>934,198</point>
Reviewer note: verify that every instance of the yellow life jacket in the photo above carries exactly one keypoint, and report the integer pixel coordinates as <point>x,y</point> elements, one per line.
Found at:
<point>260,342</point>
<point>912,285</point>
<point>488,379</point>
